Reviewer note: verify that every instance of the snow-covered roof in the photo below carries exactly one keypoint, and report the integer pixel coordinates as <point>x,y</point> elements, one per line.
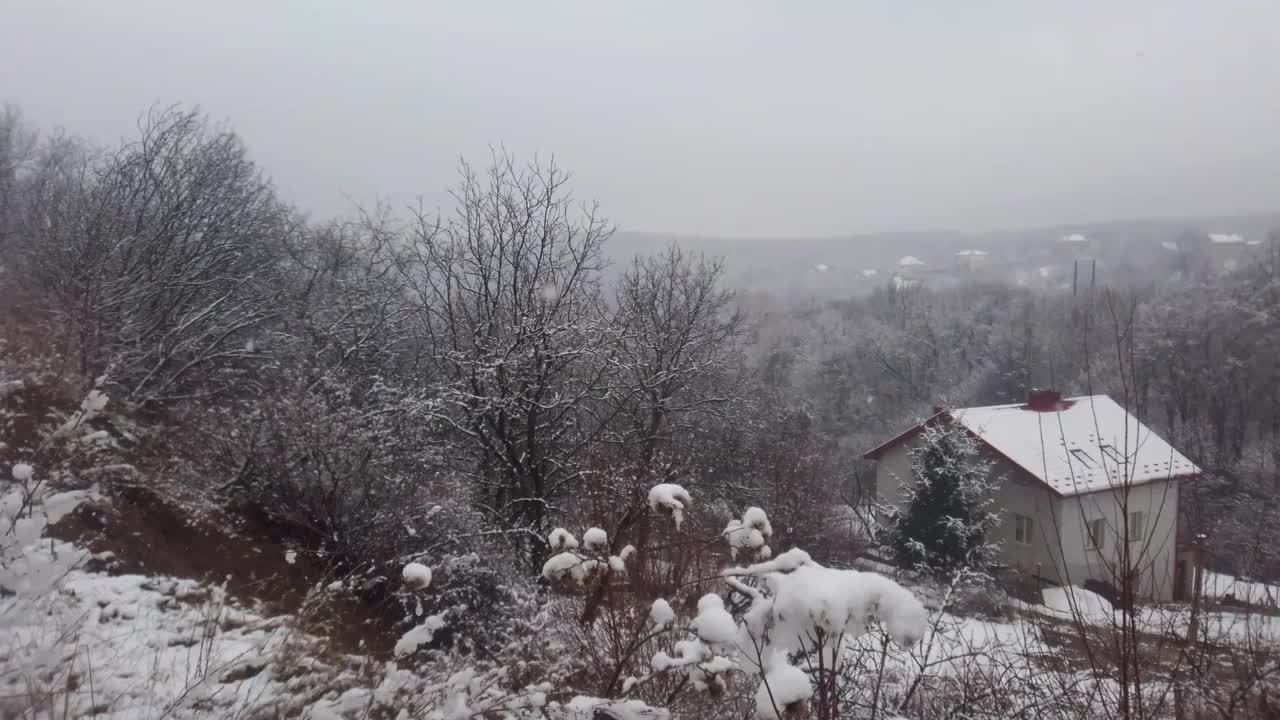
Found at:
<point>870,272</point>
<point>1226,238</point>
<point>910,260</point>
<point>1074,238</point>
<point>1084,444</point>
<point>1169,245</point>
<point>968,253</point>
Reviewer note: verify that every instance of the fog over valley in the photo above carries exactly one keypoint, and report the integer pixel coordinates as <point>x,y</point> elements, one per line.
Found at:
<point>568,360</point>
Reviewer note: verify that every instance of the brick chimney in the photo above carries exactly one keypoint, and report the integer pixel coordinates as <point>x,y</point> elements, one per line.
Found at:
<point>1044,400</point>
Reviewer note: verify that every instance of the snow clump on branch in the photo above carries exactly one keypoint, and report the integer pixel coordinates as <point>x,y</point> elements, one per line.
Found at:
<point>667,498</point>
<point>416,576</point>
<point>714,625</point>
<point>783,686</point>
<point>22,472</point>
<point>561,539</point>
<point>661,614</point>
<point>577,565</point>
<point>595,539</point>
<point>750,533</point>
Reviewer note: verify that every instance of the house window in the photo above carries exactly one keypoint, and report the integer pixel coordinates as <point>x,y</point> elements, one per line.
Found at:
<point>1113,454</point>
<point>1022,529</point>
<point>1097,534</point>
<point>1137,526</point>
<point>1082,457</point>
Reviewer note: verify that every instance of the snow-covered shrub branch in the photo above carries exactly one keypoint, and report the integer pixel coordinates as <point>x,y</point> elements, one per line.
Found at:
<point>581,564</point>
<point>784,623</point>
<point>793,630</point>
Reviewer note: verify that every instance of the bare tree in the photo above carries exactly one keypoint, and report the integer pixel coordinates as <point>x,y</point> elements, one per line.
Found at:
<point>160,257</point>
<point>18,145</point>
<point>677,347</point>
<point>517,335</point>
<point>351,307</point>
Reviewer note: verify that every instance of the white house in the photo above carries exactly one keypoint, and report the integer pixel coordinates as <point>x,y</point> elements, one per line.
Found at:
<point>1083,484</point>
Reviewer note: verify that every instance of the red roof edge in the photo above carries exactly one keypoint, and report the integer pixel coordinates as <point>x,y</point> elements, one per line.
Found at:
<point>877,452</point>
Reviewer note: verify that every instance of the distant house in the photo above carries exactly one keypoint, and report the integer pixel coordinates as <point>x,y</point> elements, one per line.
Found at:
<point>971,260</point>
<point>910,263</point>
<point>1082,483</point>
<point>909,272</point>
<point>1231,251</point>
<point>1227,251</point>
<point>1074,247</point>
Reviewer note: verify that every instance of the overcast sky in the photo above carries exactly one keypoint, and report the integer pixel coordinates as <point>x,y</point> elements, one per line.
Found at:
<point>786,118</point>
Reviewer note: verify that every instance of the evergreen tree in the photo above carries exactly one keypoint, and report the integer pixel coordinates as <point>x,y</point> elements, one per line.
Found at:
<point>943,525</point>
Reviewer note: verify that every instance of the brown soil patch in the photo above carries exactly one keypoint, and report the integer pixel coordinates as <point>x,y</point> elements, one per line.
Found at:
<point>148,536</point>
<point>148,532</point>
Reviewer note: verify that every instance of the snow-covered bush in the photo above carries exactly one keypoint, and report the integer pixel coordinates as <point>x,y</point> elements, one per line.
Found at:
<point>468,594</point>
<point>342,467</point>
<point>786,620</point>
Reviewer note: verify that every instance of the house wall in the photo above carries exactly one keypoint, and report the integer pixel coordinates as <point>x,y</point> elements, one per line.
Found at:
<point>1024,496</point>
<point>892,469</point>
<point>1016,495</point>
<point>1154,556</point>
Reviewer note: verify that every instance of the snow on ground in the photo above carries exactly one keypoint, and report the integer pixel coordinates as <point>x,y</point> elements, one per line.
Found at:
<point>1219,586</point>
<point>132,646</point>
<point>955,645</point>
<point>140,647</point>
<point>1075,602</point>
<point>1216,623</point>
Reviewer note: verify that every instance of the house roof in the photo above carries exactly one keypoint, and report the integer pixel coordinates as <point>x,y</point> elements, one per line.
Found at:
<point>1084,445</point>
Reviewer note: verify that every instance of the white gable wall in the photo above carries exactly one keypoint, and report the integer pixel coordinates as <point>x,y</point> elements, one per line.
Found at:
<point>892,469</point>
<point>1154,555</point>
<point>1019,495</point>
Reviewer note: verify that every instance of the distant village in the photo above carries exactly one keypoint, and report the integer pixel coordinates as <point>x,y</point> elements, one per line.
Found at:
<point>1077,260</point>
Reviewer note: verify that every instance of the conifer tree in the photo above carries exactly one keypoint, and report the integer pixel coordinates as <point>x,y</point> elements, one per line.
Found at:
<point>945,521</point>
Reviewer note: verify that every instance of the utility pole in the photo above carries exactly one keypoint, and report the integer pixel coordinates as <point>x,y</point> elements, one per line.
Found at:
<point>1075,274</point>
<point>1201,554</point>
